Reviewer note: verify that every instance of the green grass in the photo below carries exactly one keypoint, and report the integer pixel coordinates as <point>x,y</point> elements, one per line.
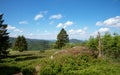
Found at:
<point>61,64</point>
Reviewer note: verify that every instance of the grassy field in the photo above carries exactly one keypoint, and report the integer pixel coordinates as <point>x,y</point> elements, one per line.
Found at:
<point>73,61</point>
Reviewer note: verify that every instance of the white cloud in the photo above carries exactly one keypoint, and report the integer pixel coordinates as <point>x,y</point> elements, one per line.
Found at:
<point>23,22</point>
<point>38,16</point>
<point>99,23</point>
<point>101,30</point>
<point>60,25</point>
<point>71,31</point>
<point>78,34</point>
<point>111,22</point>
<point>68,23</point>
<point>57,16</point>
<point>45,36</point>
<point>14,29</point>
<point>64,25</point>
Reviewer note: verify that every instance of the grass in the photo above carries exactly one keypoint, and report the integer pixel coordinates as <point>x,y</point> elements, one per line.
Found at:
<point>24,62</point>
<point>63,63</point>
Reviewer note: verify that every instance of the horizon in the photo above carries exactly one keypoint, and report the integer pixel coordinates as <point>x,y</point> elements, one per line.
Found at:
<point>44,19</point>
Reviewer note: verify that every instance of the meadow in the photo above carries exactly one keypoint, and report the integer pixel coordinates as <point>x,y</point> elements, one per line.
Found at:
<point>69,61</point>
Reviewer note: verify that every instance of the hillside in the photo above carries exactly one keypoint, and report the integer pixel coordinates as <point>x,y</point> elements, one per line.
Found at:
<point>72,61</point>
<point>36,44</point>
<point>76,41</point>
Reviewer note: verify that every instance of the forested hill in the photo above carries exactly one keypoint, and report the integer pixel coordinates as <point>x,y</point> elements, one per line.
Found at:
<point>36,44</point>
<point>76,41</point>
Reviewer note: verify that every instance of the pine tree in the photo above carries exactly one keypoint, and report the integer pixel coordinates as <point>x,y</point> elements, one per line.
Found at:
<point>4,37</point>
<point>20,44</point>
<point>24,43</point>
<point>62,39</point>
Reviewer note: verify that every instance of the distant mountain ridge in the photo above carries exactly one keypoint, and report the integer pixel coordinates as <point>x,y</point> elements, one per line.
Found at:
<point>37,44</point>
<point>34,44</point>
<point>76,41</point>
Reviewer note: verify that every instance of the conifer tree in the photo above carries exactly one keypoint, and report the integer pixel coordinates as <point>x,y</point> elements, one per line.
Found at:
<point>4,37</point>
<point>62,39</point>
<point>20,44</point>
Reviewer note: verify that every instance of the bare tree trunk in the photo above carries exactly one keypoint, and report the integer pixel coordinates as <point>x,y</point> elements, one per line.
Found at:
<point>99,46</point>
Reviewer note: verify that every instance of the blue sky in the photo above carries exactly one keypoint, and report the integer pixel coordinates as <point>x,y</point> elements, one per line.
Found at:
<point>43,19</point>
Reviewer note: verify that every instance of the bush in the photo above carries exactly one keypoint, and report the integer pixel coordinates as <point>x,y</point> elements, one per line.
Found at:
<point>9,69</point>
<point>28,71</point>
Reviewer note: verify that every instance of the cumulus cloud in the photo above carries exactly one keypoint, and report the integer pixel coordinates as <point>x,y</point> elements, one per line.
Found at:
<point>76,32</point>
<point>60,25</point>
<point>57,16</point>
<point>64,25</point>
<point>14,29</point>
<point>101,30</point>
<point>38,16</point>
<point>111,22</point>
<point>23,22</point>
<point>45,36</point>
<point>68,23</point>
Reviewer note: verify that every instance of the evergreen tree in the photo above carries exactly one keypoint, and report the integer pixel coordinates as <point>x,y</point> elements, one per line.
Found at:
<point>4,37</point>
<point>24,43</point>
<point>20,44</point>
<point>62,39</point>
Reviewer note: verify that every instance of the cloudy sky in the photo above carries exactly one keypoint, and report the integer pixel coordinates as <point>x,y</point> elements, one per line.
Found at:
<point>43,19</point>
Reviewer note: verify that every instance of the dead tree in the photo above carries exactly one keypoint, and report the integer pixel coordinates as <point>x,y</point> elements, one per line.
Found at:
<point>99,46</point>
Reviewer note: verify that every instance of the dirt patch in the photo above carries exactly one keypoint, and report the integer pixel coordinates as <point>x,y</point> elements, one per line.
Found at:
<point>18,73</point>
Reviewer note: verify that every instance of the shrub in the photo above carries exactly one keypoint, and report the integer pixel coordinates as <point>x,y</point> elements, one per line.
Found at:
<point>28,71</point>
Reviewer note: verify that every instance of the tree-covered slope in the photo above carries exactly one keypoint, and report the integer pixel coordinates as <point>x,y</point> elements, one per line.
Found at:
<point>34,44</point>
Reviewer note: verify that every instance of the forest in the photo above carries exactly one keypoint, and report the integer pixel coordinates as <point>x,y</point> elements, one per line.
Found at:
<point>98,55</point>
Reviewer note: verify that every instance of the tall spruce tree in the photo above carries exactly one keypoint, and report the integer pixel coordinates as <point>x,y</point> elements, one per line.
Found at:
<point>4,37</point>
<point>20,44</point>
<point>62,39</point>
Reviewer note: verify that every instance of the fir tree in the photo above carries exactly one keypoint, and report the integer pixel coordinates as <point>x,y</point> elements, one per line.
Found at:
<point>4,37</point>
<point>20,44</point>
<point>62,39</point>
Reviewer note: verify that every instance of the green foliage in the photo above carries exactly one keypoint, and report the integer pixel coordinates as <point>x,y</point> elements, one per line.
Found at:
<point>20,44</point>
<point>92,43</point>
<point>34,44</point>
<point>28,70</point>
<point>78,65</point>
<point>8,69</point>
<point>4,37</point>
<point>110,45</point>
<point>64,64</point>
<point>107,41</point>
<point>62,39</point>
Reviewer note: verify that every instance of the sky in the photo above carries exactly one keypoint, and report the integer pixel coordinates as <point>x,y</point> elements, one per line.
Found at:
<point>43,19</point>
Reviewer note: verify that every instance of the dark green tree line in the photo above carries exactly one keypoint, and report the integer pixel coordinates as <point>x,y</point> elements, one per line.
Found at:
<point>4,37</point>
<point>20,44</point>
